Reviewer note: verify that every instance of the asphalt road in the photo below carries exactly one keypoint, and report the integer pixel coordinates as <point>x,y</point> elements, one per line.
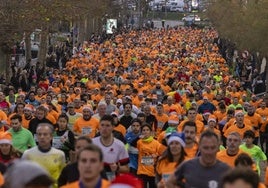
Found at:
<point>171,23</point>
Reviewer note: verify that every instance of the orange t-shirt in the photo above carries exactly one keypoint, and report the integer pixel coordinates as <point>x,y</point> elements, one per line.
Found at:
<point>3,115</point>
<point>256,123</point>
<point>199,125</point>
<point>234,128</point>
<point>79,110</point>
<point>120,128</point>
<point>84,127</point>
<point>165,168</point>
<point>51,118</point>
<point>54,114</point>
<point>161,120</point>
<point>176,107</point>
<point>220,115</point>
<point>263,113</point>
<point>9,117</point>
<point>25,122</point>
<point>215,130</point>
<point>148,152</point>
<point>228,159</point>
<point>191,152</point>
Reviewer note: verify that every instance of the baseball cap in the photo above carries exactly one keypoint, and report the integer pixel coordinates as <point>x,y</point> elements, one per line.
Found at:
<point>24,172</point>
<point>114,114</point>
<point>119,101</point>
<point>128,97</point>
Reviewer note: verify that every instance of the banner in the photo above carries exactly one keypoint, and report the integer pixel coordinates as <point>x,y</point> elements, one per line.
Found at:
<point>111,25</point>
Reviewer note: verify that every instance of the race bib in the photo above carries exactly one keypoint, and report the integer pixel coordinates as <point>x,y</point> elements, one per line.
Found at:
<point>110,176</point>
<point>35,138</point>
<point>56,142</point>
<point>165,177</point>
<point>160,124</point>
<point>86,130</point>
<point>70,126</point>
<point>147,160</point>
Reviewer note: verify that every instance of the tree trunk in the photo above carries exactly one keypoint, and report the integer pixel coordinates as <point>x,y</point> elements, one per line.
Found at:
<point>2,62</point>
<point>28,54</point>
<point>43,48</point>
<point>81,31</point>
<point>266,76</point>
<point>5,62</point>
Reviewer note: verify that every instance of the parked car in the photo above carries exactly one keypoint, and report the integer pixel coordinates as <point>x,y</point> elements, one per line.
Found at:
<point>176,9</point>
<point>191,18</point>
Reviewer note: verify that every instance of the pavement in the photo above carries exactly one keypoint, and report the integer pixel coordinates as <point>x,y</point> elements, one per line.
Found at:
<point>171,23</point>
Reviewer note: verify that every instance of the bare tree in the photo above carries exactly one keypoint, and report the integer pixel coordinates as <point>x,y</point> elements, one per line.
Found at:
<point>244,22</point>
<point>21,18</point>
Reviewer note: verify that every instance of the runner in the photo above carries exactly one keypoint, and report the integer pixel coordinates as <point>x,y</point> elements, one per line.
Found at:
<point>208,170</point>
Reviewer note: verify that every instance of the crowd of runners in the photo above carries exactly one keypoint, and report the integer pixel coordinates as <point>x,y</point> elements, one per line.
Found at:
<point>147,108</point>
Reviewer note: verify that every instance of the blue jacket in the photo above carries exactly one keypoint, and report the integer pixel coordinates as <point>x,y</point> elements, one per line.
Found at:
<point>132,151</point>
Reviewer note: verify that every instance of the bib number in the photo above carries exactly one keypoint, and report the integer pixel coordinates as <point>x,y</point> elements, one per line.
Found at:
<point>147,160</point>
<point>35,138</point>
<point>160,125</point>
<point>56,143</point>
<point>165,177</point>
<point>110,176</point>
<point>86,130</point>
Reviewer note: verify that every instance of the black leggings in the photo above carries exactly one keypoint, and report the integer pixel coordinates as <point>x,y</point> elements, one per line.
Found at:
<point>133,171</point>
<point>264,142</point>
<point>148,180</point>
